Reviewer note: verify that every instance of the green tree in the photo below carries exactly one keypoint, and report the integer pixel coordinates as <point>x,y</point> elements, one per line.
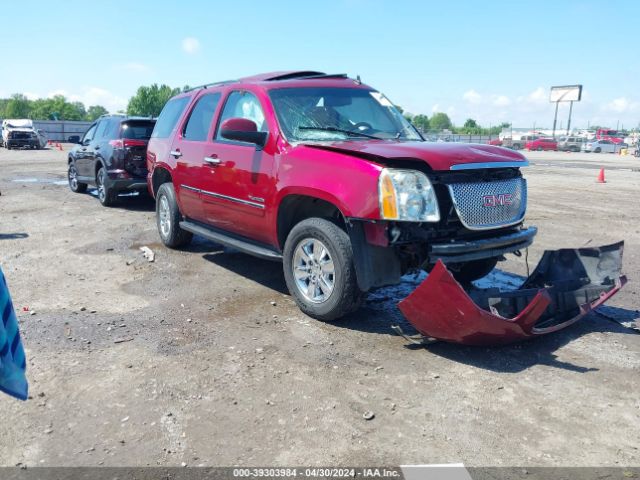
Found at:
<point>421,122</point>
<point>440,121</point>
<point>57,108</point>
<point>470,123</point>
<point>148,101</point>
<point>18,106</point>
<point>3,107</point>
<point>95,111</point>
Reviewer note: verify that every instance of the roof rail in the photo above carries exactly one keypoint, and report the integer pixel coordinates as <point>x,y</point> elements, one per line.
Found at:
<point>207,85</point>
<point>305,76</point>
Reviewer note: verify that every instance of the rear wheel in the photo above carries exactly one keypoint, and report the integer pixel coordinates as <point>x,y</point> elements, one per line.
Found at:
<point>106,195</point>
<point>168,218</point>
<point>598,150</point>
<point>319,269</point>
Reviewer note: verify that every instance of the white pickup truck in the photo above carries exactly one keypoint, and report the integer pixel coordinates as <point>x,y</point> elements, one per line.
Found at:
<point>20,133</point>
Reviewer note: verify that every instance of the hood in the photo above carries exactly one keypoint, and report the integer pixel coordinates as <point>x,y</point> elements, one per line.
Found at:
<point>17,124</point>
<point>439,156</point>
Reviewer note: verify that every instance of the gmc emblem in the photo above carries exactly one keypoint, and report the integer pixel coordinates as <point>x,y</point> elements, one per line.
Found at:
<point>497,200</point>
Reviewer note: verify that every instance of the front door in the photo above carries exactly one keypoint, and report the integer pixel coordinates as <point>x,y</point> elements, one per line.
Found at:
<point>240,175</point>
<point>84,154</point>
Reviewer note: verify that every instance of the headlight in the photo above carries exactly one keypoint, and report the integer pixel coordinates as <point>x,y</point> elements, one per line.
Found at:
<point>407,195</point>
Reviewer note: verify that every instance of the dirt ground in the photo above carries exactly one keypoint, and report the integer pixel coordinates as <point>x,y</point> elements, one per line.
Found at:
<point>186,361</point>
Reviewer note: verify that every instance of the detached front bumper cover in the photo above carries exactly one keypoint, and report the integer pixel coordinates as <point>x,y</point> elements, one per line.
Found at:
<point>565,286</point>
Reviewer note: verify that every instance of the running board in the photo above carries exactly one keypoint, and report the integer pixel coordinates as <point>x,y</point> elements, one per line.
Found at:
<point>231,241</point>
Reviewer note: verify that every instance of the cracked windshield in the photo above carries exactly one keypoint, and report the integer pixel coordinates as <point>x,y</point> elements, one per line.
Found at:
<point>329,114</point>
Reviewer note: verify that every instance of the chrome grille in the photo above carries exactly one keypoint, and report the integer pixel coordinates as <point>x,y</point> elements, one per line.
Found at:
<point>494,204</point>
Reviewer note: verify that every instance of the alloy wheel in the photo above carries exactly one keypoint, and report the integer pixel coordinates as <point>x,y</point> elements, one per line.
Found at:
<point>73,178</point>
<point>164,215</point>
<point>313,270</point>
<point>101,189</point>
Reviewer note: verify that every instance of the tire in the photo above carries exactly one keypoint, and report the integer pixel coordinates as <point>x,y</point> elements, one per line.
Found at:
<point>168,218</point>
<point>466,273</point>
<point>106,195</point>
<point>74,185</point>
<point>321,291</point>
<point>598,150</point>
<point>540,149</point>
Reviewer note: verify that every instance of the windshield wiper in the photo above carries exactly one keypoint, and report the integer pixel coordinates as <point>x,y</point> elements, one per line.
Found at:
<point>351,133</point>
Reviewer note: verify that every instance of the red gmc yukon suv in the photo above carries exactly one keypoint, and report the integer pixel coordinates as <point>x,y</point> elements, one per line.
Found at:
<point>323,173</point>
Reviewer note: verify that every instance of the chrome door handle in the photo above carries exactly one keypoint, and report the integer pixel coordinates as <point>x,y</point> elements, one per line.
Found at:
<point>175,153</point>
<point>212,160</point>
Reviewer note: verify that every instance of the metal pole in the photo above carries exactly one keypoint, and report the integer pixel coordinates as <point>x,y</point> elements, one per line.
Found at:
<point>569,122</point>
<point>555,120</point>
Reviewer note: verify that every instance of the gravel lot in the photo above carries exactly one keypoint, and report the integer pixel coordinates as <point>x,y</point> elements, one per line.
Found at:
<point>186,360</point>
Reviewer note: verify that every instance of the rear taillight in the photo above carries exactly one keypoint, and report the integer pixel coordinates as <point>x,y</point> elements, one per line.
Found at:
<point>127,142</point>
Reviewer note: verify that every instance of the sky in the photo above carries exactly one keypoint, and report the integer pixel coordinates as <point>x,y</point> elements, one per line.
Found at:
<point>493,61</point>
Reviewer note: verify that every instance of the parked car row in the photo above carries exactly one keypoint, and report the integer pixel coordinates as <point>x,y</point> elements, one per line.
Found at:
<point>319,172</point>
<point>565,144</point>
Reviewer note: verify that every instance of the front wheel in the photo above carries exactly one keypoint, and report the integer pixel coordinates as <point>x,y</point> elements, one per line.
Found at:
<point>319,269</point>
<point>168,218</point>
<point>598,150</point>
<point>72,176</point>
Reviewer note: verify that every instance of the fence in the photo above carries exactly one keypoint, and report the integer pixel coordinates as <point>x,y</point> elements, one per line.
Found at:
<point>458,138</point>
<point>61,130</point>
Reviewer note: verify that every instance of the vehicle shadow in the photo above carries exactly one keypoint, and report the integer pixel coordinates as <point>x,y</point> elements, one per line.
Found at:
<point>12,236</point>
<point>132,202</point>
<point>265,272</point>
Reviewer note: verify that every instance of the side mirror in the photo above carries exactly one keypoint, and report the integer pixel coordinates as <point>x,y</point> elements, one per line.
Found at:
<point>243,130</point>
<point>85,142</point>
<point>74,139</point>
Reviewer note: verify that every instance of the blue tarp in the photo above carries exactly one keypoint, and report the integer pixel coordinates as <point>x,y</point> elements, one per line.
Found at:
<point>12,359</point>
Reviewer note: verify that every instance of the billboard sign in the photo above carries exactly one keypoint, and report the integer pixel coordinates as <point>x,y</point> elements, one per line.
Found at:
<point>566,93</point>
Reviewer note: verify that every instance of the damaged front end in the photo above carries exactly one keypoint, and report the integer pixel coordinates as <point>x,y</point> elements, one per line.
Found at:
<point>565,286</point>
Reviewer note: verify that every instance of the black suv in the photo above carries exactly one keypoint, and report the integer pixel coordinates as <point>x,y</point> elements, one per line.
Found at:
<point>111,156</point>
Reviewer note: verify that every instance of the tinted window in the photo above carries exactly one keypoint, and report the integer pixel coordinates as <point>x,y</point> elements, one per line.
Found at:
<point>137,129</point>
<point>101,130</point>
<point>89,134</point>
<point>169,117</point>
<point>243,105</point>
<point>197,127</point>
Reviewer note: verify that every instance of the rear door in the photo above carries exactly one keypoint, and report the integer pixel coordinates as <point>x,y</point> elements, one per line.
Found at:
<point>239,179</point>
<point>190,147</point>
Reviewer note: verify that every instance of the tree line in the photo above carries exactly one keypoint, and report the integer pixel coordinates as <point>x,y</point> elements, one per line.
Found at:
<point>440,121</point>
<point>54,108</point>
<point>149,100</point>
